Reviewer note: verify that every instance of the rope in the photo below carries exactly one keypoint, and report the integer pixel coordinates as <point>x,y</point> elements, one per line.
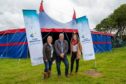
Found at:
<point>46,35</point>
<point>67,36</point>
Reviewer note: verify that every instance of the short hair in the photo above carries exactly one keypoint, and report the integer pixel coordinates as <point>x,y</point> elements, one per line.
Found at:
<point>61,34</point>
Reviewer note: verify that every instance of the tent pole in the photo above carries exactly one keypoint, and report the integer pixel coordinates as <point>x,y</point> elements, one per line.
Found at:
<point>46,35</point>
<point>7,46</point>
<point>95,64</point>
<point>67,36</point>
<point>27,51</point>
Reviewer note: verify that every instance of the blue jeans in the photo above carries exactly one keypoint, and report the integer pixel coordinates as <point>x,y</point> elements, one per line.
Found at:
<point>58,63</point>
<point>48,65</point>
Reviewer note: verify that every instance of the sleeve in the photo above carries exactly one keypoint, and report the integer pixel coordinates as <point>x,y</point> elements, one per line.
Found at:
<point>56,48</point>
<point>54,54</point>
<point>44,52</point>
<point>66,49</point>
<point>80,46</point>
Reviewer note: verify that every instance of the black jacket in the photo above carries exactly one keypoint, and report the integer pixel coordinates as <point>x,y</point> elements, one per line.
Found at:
<point>47,52</point>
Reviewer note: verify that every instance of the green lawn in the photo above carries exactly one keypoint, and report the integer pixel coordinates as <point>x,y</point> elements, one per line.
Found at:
<point>112,65</point>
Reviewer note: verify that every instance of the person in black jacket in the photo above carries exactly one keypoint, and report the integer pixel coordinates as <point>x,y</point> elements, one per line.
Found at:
<point>48,56</point>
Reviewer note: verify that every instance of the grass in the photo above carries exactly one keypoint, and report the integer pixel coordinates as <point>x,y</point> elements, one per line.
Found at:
<point>112,65</point>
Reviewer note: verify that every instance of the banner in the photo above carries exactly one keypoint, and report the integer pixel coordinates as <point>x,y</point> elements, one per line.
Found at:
<point>34,36</point>
<point>85,39</point>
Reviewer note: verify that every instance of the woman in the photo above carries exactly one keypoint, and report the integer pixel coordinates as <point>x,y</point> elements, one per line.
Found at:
<point>48,56</point>
<point>75,52</point>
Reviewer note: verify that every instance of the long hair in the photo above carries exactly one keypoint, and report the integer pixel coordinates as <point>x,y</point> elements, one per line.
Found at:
<point>76,37</point>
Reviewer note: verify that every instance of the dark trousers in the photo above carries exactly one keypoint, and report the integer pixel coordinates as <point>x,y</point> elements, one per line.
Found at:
<point>48,65</point>
<point>58,63</point>
<point>73,58</point>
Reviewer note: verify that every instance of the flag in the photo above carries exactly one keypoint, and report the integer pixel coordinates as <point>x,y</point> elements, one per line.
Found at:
<point>74,15</point>
<point>41,8</point>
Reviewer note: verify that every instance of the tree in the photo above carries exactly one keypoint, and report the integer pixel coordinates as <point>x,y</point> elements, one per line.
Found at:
<point>116,22</point>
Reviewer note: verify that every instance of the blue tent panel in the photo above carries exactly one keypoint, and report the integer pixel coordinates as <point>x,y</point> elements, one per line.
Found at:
<point>102,43</point>
<point>13,45</point>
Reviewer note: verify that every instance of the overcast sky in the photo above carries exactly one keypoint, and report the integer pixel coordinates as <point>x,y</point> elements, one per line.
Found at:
<point>61,10</point>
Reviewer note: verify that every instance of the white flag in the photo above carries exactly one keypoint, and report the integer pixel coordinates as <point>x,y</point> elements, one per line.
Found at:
<point>34,36</point>
<point>85,39</point>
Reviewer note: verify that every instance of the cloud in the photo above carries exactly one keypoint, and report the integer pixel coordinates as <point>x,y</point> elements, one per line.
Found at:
<point>11,12</point>
<point>96,10</point>
<point>61,10</point>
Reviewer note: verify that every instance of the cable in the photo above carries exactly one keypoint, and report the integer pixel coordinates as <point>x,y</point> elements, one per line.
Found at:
<point>46,35</point>
<point>67,36</point>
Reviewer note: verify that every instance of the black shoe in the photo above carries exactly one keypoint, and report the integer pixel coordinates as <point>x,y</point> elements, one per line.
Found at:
<point>71,73</point>
<point>67,76</point>
<point>59,76</point>
<point>76,72</point>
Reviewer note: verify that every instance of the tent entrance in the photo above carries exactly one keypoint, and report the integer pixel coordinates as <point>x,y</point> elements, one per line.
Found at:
<point>55,35</point>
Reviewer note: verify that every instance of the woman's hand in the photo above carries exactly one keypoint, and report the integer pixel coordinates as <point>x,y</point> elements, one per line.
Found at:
<point>78,55</point>
<point>46,60</point>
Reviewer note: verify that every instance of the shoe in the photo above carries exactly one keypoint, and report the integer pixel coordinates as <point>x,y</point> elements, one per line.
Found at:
<point>67,76</point>
<point>59,76</point>
<point>49,74</point>
<point>45,75</point>
<point>76,72</point>
<point>71,73</point>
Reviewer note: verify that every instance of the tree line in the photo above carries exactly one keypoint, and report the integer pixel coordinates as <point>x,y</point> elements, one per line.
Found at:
<point>116,22</point>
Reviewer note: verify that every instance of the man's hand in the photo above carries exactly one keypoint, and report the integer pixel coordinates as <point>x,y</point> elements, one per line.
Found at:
<point>62,55</point>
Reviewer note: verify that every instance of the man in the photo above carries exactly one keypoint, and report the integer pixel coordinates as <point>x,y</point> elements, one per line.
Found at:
<point>61,47</point>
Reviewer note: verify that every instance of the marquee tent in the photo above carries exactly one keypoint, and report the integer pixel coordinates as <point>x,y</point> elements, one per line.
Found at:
<point>13,43</point>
